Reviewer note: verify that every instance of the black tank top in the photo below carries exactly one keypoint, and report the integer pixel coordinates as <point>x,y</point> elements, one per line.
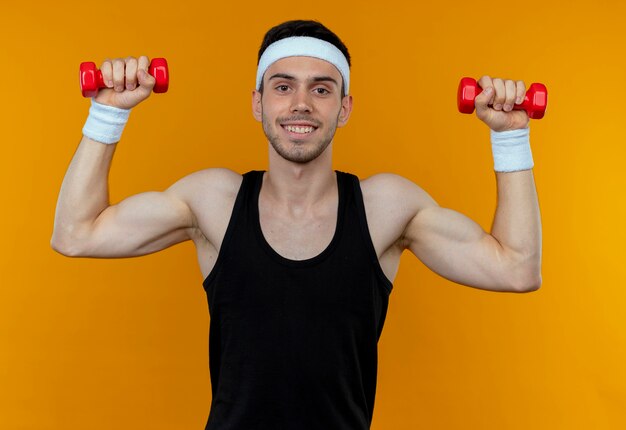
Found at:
<point>293,344</point>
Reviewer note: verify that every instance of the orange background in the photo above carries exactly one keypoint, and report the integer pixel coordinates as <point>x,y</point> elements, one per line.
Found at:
<point>123,343</point>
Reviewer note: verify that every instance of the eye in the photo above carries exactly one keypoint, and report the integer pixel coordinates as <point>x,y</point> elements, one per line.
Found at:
<point>322,91</point>
<point>282,88</point>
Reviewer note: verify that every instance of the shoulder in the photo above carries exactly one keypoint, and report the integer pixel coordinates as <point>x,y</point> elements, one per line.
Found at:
<point>214,177</point>
<point>395,192</point>
<point>213,182</point>
<point>391,203</point>
<point>209,195</point>
<point>207,189</point>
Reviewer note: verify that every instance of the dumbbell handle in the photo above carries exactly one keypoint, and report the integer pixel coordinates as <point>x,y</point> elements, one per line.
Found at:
<point>534,103</point>
<point>91,80</point>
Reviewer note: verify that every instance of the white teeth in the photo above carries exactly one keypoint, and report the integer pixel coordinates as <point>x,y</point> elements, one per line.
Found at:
<point>302,130</point>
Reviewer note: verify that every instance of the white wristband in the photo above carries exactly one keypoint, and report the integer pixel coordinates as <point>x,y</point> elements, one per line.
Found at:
<point>105,123</point>
<point>511,150</point>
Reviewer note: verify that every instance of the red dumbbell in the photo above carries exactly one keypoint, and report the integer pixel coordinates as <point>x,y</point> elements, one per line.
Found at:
<point>91,78</point>
<point>534,103</point>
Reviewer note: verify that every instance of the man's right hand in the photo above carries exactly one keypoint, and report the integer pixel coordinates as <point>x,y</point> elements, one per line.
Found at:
<point>127,80</point>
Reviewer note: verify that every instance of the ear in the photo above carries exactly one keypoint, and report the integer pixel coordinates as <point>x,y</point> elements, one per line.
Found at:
<point>346,109</point>
<point>256,106</point>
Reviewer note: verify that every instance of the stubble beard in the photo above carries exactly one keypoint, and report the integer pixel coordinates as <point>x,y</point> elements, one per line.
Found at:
<point>298,153</point>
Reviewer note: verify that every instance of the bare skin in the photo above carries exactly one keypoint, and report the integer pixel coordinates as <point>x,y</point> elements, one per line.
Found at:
<point>298,199</point>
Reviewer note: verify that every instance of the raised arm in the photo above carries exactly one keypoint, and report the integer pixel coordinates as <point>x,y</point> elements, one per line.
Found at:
<point>85,223</point>
<point>509,257</point>
<point>457,248</point>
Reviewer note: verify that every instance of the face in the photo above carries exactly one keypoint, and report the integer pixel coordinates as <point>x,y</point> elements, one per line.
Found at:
<point>301,107</point>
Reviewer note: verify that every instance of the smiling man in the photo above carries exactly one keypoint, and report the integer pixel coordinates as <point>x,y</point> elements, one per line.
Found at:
<point>298,260</point>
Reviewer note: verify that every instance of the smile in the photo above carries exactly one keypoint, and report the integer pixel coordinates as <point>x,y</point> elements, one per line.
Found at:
<point>299,129</point>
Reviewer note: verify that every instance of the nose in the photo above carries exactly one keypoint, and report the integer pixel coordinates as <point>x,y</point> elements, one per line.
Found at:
<point>301,101</point>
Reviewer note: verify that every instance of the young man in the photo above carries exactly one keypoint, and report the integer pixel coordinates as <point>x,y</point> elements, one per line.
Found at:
<point>299,260</point>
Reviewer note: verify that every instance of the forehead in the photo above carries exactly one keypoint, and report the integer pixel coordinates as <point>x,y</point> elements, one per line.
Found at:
<point>301,67</point>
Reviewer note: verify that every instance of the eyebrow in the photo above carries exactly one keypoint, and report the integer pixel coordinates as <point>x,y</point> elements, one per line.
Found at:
<point>314,79</point>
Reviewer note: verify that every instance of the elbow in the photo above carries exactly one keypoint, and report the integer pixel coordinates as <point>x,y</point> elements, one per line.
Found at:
<point>528,284</point>
<point>64,247</point>
<point>526,273</point>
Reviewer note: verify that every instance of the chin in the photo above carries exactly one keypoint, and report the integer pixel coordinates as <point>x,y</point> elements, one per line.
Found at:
<point>299,155</point>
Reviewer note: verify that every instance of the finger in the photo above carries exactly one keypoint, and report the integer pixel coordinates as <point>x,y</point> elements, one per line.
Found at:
<point>107,73</point>
<point>485,82</point>
<point>500,93</point>
<point>509,98</point>
<point>142,63</point>
<point>485,98</point>
<point>118,74</point>
<point>520,92</point>
<point>145,80</point>
<point>131,73</point>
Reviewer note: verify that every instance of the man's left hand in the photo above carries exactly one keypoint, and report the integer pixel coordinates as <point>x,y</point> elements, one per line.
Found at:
<point>494,105</point>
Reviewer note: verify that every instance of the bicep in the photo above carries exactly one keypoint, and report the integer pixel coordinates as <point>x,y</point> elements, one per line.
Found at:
<point>138,225</point>
<point>457,248</point>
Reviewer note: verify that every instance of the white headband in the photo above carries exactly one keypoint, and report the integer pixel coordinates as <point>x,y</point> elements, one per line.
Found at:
<point>307,47</point>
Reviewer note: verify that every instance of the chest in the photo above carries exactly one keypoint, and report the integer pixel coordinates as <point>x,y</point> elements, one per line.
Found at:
<point>298,235</point>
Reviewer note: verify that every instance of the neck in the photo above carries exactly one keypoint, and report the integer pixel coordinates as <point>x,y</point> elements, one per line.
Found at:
<point>299,186</point>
